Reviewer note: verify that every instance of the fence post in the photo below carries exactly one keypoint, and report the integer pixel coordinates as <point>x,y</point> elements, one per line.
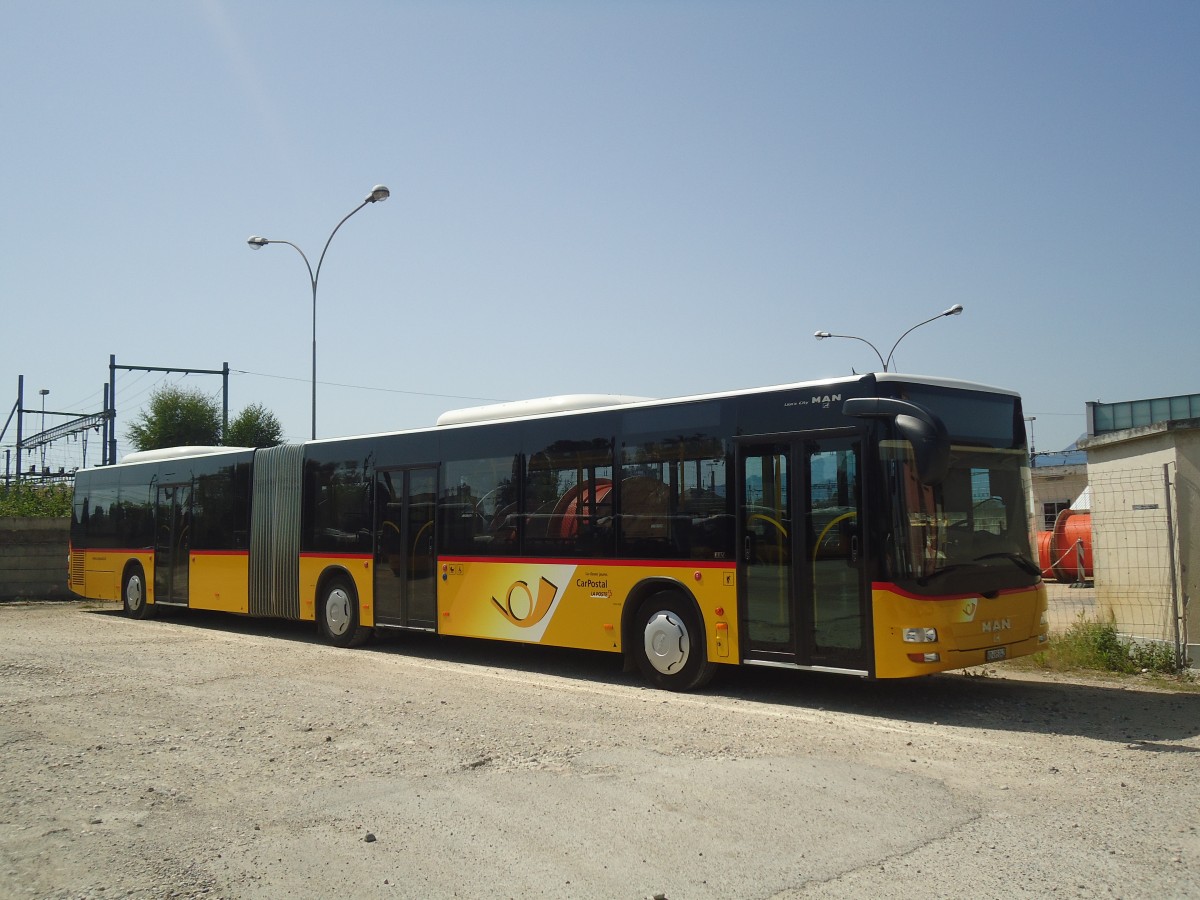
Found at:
<point>1171,556</point>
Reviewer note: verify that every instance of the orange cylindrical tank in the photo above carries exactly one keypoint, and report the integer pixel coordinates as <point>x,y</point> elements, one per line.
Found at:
<point>1043,550</point>
<point>1070,547</point>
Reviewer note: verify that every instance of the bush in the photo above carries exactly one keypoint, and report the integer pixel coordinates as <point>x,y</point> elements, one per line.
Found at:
<point>42,501</point>
<point>1092,644</point>
<point>1155,657</point>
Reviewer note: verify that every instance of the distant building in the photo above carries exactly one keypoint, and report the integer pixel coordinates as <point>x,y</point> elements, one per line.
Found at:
<point>1111,418</point>
<point>1059,478</point>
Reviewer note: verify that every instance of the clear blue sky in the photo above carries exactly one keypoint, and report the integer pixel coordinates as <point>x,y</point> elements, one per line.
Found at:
<point>656,198</point>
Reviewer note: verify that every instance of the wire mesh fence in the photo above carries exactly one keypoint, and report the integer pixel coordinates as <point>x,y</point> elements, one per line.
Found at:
<point>1136,578</point>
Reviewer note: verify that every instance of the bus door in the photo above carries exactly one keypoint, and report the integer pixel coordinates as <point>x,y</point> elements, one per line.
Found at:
<point>172,517</point>
<point>805,595</point>
<point>405,564</point>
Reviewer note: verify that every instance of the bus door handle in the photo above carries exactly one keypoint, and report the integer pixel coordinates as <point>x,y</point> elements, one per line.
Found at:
<point>854,550</point>
<point>749,548</point>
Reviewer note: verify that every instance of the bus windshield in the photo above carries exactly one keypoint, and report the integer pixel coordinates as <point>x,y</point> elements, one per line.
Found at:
<point>969,529</point>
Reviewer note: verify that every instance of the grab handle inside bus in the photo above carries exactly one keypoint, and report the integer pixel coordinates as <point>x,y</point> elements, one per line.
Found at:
<point>916,424</point>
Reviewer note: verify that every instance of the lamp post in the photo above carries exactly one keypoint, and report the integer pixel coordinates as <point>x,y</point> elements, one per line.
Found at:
<point>821,335</point>
<point>379,192</point>
<point>955,310</point>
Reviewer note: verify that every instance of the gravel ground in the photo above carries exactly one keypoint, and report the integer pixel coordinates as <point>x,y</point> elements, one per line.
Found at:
<point>213,756</point>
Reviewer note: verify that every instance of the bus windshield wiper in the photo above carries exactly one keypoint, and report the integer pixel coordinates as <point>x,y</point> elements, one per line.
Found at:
<point>944,570</point>
<point>1020,561</point>
<point>1016,559</point>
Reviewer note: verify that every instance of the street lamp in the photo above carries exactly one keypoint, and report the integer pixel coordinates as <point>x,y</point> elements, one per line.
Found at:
<point>955,310</point>
<point>821,335</point>
<point>379,192</point>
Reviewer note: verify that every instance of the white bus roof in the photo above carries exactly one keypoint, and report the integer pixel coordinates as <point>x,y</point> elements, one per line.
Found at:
<point>139,456</point>
<point>520,408</point>
<point>528,409</point>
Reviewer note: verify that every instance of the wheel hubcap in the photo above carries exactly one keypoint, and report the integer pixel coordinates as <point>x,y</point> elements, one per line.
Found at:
<point>667,642</point>
<point>133,593</point>
<point>337,611</point>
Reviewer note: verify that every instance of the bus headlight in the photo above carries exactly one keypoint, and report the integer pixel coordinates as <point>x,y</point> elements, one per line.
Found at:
<point>920,635</point>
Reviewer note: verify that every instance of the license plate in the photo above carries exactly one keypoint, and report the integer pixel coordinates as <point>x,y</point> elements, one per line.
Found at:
<point>996,653</point>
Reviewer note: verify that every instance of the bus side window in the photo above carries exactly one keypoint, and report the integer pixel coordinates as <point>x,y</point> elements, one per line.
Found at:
<point>568,500</point>
<point>478,506</point>
<point>673,500</point>
<point>341,512</point>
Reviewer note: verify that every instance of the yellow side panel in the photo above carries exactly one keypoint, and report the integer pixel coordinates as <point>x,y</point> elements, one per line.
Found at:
<point>313,566</point>
<point>572,604</point>
<point>102,570</point>
<point>967,628</point>
<point>219,581</point>
<point>102,576</point>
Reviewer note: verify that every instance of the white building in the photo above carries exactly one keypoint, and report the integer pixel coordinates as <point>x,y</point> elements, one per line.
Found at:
<point>1143,471</point>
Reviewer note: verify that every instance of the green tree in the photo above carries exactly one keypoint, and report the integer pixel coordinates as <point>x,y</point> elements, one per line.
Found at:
<point>175,418</point>
<point>255,426</point>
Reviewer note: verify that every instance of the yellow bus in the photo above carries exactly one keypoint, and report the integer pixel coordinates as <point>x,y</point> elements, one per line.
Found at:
<point>874,525</point>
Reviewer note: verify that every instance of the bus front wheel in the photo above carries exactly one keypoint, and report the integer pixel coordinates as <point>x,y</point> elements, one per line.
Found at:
<point>133,594</point>
<point>338,613</point>
<point>669,644</point>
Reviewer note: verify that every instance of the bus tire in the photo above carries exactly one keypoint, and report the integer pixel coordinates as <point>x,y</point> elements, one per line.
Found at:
<point>669,644</point>
<point>337,614</point>
<point>133,593</point>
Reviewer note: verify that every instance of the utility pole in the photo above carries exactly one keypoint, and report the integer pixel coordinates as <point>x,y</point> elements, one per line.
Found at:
<point>111,396</point>
<point>20,420</point>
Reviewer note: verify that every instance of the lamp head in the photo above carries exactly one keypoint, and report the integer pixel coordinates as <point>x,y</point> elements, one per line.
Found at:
<point>821,335</point>
<point>257,243</point>
<point>955,310</point>
<point>379,192</point>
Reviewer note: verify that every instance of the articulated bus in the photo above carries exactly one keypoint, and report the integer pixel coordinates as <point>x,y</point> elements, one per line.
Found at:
<point>874,525</point>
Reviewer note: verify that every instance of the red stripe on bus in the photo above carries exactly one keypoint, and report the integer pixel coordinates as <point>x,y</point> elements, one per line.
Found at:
<point>893,589</point>
<point>592,561</point>
<point>117,551</point>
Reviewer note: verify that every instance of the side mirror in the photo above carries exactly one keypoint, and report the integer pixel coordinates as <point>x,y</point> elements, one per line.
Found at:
<point>916,424</point>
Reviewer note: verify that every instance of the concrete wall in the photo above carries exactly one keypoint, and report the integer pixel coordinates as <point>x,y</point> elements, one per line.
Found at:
<point>33,559</point>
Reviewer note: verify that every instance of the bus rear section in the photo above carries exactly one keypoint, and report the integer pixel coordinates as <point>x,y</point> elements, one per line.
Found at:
<point>164,528</point>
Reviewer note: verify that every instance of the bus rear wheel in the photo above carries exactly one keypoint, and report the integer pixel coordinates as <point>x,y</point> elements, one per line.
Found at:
<point>133,594</point>
<point>338,615</point>
<point>669,643</point>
